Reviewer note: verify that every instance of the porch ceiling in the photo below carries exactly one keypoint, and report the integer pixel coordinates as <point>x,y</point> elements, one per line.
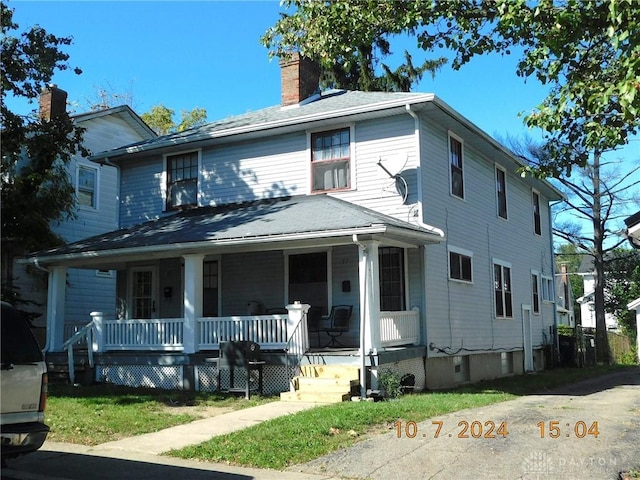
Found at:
<point>287,222</point>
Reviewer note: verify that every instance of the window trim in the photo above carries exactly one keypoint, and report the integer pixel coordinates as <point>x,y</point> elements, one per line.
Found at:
<point>458,139</point>
<point>536,307</point>
<point>404,282</point>
<point>462,252</point>
<point>502,264</point>
<point>536,215</point>
<point>500,168</point>
<point>548,293</point>
<point>165,180</point>
<point>96,190</point>
<point>351,162</point>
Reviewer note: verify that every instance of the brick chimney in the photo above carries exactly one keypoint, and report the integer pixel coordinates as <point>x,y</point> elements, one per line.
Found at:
<point>53,102</point>
<point>300,78</point>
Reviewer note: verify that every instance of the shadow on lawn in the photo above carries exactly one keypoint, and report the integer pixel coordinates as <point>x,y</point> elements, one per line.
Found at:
<point>122,395</point>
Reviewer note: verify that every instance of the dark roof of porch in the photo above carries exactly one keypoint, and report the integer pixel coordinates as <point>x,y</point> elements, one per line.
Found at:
<point>259,221</point>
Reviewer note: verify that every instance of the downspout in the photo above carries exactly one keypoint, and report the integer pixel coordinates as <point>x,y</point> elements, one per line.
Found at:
<point>363,371</point>
<point>47,341</point>
<point>416,121</point>
<point>556,340</point>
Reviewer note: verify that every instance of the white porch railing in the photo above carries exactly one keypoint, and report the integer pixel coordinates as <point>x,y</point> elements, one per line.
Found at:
<point>164,334</point>
<point>270,331</point>
<point>399,328</point>
<point>83,333</point>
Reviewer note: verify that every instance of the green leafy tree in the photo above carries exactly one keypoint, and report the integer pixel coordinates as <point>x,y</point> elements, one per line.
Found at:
<point>36,189</point>
<point>595,197</point>
<point>160,119</point>
<point>586,51</point>
<point>349,40</point>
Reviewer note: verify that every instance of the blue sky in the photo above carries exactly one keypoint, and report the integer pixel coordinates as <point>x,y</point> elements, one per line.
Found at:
<point>207,54</point>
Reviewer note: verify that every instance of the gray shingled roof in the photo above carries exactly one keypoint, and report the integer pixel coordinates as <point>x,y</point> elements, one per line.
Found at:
<point>330,103</point>
<point>261,220</point>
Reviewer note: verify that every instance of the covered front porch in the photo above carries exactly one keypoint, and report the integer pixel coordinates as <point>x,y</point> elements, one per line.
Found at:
<point>180,294</point>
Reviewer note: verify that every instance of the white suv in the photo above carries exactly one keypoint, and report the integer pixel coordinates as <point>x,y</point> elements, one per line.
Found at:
<point>23,382</point>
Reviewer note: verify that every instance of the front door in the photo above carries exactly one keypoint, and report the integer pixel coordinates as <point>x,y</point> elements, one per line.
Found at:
<point>526,338</point>
<point>308,280</point>
<point>143,292</point>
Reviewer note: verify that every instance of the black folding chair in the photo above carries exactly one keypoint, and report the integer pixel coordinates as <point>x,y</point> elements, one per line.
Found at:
<point>338,323</point>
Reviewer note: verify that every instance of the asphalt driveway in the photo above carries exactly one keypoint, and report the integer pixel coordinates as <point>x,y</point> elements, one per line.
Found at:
<point>596,425</point>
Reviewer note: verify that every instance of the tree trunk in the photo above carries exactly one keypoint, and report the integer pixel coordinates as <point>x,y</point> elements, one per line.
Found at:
<point>602,341</point>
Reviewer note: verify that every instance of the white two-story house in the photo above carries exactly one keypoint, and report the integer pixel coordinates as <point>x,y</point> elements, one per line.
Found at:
<point>96,211</point>
<point>254,226</point>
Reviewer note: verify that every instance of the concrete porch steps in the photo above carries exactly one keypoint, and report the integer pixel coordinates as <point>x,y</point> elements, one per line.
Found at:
<point>323,383</point>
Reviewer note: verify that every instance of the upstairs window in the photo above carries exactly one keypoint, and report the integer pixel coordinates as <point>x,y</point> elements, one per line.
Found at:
<point>455,157</point>
<point>87,187</point>
<point>460,265</point>
<point>502,289</point>
<point>330,158</point>
<point>182,180</point>
<point>535,198</point>
<point>501,192</point>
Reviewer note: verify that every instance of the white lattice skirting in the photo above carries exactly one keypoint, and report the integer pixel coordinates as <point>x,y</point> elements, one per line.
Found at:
<point>274,377</point>
<point>154,376</point>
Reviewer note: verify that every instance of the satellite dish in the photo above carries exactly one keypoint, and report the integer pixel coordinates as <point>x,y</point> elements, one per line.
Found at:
<point>394,164</point>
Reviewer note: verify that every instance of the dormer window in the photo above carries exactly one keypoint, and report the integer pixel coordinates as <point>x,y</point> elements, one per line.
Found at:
<point>330,158</point>
<point>182,180</point>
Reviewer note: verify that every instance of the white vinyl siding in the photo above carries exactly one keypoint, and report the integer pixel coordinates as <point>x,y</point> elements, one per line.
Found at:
<point>474,226</point>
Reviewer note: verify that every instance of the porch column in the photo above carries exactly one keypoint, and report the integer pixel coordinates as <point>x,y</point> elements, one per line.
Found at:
<point>192,300</point>
<point>369,270</point>
<point>56,294</point>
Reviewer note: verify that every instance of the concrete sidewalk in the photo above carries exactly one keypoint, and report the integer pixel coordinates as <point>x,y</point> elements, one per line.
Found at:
<point>137,458</point>
<point>202,430</point>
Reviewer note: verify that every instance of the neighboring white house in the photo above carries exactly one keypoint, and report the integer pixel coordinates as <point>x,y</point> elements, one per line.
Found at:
<point>392,203</point>
<point>97,207</point>
<point>633,233</point>
<point>587,301</point>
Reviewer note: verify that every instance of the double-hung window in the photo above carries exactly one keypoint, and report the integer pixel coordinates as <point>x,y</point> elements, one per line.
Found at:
<point>330,159</point>
<point>502,289</point>
<point>535,291</point>
<point>392,289</point>
<point>182,180</point>
<point>535,199</point>
<point>87,188</point>
<point>501,192</point>
<point>455,159</point>
<point>547,289</point>
<point>460,265</point>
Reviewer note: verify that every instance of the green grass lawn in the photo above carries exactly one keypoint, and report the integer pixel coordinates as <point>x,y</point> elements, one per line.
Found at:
<point>304,436</point>
<point>91,415</point>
